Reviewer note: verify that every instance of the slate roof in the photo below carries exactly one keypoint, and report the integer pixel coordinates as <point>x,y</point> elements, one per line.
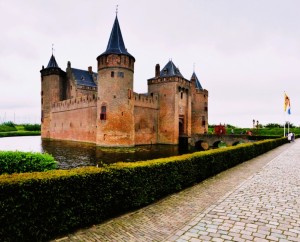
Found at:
<point>52,63</point>
<point>84,78</point>
<point>170,70</point>
<point>116,44</point>
<point>198,85</point>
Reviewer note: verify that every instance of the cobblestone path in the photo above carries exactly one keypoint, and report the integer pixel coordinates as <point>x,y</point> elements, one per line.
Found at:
<point>258,200</point>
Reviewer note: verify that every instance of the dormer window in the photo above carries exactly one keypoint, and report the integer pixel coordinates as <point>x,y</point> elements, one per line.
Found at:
<point>166,71</point>
<point>82,77</point>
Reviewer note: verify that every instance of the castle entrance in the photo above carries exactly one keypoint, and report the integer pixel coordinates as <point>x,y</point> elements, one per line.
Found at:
<point>181,125</point>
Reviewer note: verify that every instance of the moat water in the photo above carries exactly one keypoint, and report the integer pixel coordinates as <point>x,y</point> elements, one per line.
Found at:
<point>74,154</point>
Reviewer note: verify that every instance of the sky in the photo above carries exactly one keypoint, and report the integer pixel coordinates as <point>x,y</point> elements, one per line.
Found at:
<point>246,53</point>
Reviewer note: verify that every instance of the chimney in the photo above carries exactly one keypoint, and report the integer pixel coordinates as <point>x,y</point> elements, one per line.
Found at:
<point>90,70</point>
<point>157,70</point>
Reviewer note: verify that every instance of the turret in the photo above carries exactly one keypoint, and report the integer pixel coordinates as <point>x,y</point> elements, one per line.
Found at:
<point>115,117</point>
<point>52,90</point>
<point>199,106</point>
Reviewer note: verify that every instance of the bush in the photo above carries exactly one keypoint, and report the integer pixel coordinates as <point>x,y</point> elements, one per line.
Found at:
<point>32,127</point>
<point>7,126</point>
<point>17,162</point>
<point>41,206</point>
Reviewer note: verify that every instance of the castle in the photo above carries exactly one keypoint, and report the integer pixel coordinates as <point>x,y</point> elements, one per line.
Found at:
<point>101,108</point>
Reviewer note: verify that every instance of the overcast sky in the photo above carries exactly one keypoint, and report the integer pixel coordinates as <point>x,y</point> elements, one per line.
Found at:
<point>246,52</point>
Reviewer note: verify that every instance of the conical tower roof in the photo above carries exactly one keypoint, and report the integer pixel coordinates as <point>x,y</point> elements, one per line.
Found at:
<point>116,44</point>
<point>170,70</point>
<point>52,62</point>
<point>197,83</point>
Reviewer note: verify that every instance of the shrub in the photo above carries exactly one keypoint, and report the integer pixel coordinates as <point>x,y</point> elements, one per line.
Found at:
<point>17,162</point>
<point>7,126</point>
<point>32,127</point>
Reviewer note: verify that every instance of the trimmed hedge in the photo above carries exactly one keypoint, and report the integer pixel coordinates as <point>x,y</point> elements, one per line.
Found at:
<point>18,161</point>
<point>41,206</point>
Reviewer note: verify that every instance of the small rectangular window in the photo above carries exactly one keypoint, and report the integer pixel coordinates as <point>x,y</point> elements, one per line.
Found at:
<point>121,74</point>
<point>112,74</point>
<point>103,113</point>
<point>129,94</point>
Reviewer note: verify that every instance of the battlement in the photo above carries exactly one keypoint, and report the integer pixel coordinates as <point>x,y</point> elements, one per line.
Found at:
<point>202,91</point>
<point>159,80</point>
<point>144,100</point>
<point>75,103</point>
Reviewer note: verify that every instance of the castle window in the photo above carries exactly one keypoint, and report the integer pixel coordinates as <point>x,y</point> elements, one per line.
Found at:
<point>129,94</point>
<point>203,121</point>
<point>121,74</point>
<point>103,113</point>
<point>205,107</point>
<point>112,74</point>
<point>181,95</point>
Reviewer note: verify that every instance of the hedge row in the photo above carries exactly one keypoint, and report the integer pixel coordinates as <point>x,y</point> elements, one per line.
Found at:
<point>18,161</point>
<point>40,206</point>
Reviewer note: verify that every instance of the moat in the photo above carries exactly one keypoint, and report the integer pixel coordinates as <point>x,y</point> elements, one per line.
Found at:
<point>75,154</point>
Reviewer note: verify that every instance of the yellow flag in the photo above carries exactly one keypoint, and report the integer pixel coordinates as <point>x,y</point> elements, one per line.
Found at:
<point>286,102</point>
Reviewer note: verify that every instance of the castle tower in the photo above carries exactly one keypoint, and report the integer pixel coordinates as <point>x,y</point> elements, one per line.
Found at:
<point>52,82</point>
<point>115,105</point>
<point>175,103</point>
<point>199,106</point>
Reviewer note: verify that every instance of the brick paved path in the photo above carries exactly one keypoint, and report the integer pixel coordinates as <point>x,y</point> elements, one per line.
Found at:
<point>250,202</point>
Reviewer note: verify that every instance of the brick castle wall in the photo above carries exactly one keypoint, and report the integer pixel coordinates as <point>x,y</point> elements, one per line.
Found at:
<point>74,119</point>
<point>146,118</point>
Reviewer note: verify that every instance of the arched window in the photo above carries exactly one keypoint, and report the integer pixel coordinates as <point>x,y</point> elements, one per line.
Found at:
<point>103,113</point>
<point>112,74</point>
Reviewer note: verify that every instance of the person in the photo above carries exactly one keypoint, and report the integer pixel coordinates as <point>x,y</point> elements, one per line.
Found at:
<point>293,137</point>
<point>289,137</point>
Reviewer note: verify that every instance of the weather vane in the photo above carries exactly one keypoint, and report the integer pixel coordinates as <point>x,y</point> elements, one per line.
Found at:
<point>52,49</point>
<point>194,67</point>
<point>117,9</point>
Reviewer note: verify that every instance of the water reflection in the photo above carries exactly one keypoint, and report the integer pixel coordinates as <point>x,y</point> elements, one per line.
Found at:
<point>73,154</point>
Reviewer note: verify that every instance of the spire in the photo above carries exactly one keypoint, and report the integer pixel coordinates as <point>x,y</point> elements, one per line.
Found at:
<point>116,44</point>
<point>197,83</point>
<point>52,62</point>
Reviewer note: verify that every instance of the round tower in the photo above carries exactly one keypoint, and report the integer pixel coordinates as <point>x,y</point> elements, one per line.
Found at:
<point>52,79</point>
<point>115,105</point>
